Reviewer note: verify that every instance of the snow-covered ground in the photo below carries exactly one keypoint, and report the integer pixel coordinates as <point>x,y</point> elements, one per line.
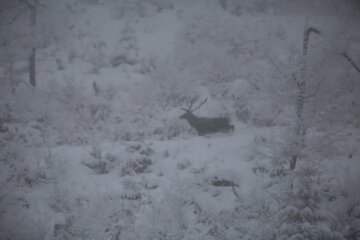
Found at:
<point>215,172</point>
<point>195,159</point>
<point>97,149</point>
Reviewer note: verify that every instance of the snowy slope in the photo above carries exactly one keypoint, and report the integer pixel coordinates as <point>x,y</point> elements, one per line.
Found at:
<point>221,155</point>
<point>186,168</point>
<point>147,181</point>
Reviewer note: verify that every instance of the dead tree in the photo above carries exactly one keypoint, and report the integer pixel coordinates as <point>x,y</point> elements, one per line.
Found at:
<point>300,128</point>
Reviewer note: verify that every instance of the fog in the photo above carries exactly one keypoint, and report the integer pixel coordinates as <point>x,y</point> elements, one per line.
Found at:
<point>179,119</point>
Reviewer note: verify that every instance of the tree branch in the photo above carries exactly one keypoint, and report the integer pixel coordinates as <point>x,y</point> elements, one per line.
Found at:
<point>316,89</point>
<point>16,16</point>
<point>276,66</point>
<point>31,6</point>
<point>307,33</point>
<point>351,61</point>
<point>295,79</point>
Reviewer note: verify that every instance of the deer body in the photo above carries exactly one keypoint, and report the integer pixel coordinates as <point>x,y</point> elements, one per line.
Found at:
<point>204,125</point>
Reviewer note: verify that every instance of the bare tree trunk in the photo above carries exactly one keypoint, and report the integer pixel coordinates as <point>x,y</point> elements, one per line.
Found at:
<point>300,128</point>
<point>11,74</point>
<point>32,67</point>
<point>96,89</point>
<point>32,58</point>
<point>351,61</point>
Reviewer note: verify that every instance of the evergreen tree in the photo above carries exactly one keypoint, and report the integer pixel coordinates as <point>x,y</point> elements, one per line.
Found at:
<point>301,216</point>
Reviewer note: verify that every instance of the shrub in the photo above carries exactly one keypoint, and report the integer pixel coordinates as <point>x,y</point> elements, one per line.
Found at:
<point>138,159</point>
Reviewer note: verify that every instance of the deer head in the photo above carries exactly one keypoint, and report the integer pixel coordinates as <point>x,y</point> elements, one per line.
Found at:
<point>190,108</point>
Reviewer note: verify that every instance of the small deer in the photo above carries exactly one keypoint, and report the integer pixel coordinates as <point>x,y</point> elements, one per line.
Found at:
<point>204,125</point>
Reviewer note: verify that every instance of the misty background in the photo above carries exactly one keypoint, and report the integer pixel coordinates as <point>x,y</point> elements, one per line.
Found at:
<point>92,146</point>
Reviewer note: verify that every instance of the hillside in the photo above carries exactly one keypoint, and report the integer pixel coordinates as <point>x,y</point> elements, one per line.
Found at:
<point>96,149</point>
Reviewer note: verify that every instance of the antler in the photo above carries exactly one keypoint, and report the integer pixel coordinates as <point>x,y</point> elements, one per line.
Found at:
<point>200,104</point>
<point>190,104</point>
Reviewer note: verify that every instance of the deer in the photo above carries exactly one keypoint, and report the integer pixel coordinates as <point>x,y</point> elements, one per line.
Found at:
<point>204,125</point>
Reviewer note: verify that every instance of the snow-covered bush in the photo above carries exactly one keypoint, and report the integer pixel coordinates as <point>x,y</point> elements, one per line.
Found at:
<point>162,219</point>
<point>138,8</point>
<point>139,159</point>
<point>96,163</point>
<point>97,56</point>
<point>127,48</point>
<point>171,128</point>
<point>247,7</point>
<point>147,65</point>
<point>301,215</point>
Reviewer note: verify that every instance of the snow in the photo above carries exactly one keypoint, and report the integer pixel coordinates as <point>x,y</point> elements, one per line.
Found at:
<point>120,160</point>
<point>157,35</point>
<point>223,156</point>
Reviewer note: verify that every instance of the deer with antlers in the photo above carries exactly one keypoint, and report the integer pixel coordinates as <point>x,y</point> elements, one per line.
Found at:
<point>204,125</point>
